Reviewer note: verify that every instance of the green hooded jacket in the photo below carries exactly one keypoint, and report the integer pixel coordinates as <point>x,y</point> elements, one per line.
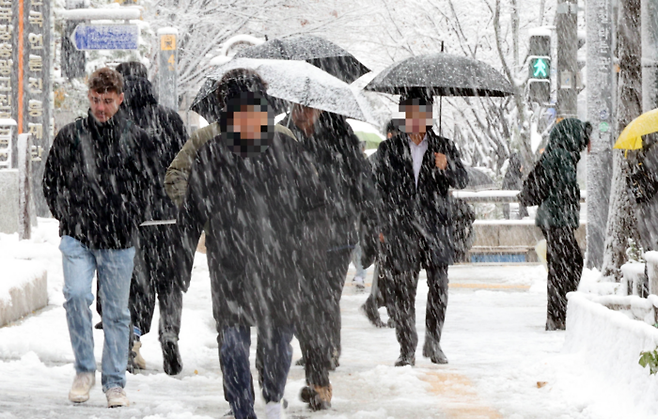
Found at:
<point>553,184</point>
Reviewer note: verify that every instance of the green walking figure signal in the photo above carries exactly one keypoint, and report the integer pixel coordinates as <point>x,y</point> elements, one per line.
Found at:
<point>540,67</point>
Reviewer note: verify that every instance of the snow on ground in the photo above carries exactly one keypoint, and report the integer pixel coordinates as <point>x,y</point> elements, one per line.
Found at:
<point>502,362</point>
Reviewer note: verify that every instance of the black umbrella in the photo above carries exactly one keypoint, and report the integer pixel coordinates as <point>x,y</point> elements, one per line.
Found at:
<point>442,75</point>
<point>312,49</point>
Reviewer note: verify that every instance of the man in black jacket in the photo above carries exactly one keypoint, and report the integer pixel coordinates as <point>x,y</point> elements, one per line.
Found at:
<point>257,195</point>
<point>413,172</point>
<point>96,185</point>
<point>343,172</point>
<point>155,248</point>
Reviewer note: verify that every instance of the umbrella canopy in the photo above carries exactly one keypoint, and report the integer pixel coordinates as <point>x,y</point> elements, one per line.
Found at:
<point>367,133</point>
<point>442,75</point>
<point>631,136</point>
<point>293,81</point>
<point>312,49</point>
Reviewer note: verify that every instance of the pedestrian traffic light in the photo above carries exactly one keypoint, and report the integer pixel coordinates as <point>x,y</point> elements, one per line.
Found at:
<point>539,68</point>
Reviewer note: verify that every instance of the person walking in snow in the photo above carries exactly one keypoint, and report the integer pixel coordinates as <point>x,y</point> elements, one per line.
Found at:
<point>413,172</point>
<point>155,270</point>
<point>370,246</point>
<point>342,168</point>
<point>257,195</point>
<point>513,181</point>
<point>96,183</point>
<point>553,185</point>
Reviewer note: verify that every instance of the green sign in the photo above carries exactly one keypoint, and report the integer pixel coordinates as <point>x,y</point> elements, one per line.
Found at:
<point>540,67</point>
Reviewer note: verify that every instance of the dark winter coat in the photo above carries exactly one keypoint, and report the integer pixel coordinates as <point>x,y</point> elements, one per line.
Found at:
<point>260,215</point>
<point>96,180</point>
<point>643,184</point>
<point>344,174</point>
<point>552,184</point>
<point>167,130</point>
<point>417,222</point>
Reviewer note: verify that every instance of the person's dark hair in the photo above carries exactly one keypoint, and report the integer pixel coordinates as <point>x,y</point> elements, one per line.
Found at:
<point>417,96</point>
<point>393,127</point>
<point>132,68</point>
<point>106,80</point>
<point>234,83</point>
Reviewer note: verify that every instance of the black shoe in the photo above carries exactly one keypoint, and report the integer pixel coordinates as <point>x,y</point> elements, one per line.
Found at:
<point>171,362</point>
<point>405,360</point>
<point>301,362</point>
<point>370,310</point>
<point>99,325</point>
<point>433,351</point>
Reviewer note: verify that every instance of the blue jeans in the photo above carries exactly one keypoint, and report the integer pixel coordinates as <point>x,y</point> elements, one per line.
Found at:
<point>276,356</point>
<point>114,269</point>
<point>356,261</point>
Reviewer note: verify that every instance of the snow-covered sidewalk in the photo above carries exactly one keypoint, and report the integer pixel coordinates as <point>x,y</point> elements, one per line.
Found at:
<point>502,362</point>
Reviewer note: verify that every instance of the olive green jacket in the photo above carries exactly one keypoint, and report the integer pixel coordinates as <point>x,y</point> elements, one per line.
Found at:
<point>181,167</point>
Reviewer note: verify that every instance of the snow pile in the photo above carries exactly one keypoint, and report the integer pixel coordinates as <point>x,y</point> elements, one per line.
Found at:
<point>612,343</point>
<point>18,268</point>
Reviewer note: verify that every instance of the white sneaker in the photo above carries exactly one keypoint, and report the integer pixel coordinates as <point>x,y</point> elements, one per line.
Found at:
<point>359,282</point>
<point>274,410</point>
<point>116,397</point>
<point>82,383</point>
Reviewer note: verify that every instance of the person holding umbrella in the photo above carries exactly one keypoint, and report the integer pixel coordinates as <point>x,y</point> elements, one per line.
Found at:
<point>258,197</point>
<point>413,173</point>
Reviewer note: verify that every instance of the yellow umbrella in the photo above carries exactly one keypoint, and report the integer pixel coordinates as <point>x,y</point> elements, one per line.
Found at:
<point>631,137</point>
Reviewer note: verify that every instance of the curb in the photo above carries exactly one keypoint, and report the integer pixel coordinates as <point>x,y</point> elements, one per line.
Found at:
<point>25,299</point>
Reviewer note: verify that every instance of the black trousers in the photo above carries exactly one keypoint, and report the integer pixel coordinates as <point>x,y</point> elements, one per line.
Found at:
<point>565,267</point>
<point>154,274</point>
<point>319,329</point>
<point>401,303</point>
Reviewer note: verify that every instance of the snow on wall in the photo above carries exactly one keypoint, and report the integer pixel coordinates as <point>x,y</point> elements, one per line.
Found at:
<point>612,343</point>
<point>17,274</point>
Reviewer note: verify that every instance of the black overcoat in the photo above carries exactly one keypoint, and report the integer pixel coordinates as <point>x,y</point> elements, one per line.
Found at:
<point>262,215</point>
<point>416,221</point>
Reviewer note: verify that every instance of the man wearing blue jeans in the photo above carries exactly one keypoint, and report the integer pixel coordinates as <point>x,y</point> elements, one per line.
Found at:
<point>96,183</point>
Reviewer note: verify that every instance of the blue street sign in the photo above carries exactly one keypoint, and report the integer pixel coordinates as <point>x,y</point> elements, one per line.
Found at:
<point>105,36</point>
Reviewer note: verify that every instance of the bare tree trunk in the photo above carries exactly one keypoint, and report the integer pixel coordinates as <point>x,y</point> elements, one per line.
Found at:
<point>621,221</point>
<point>515,34</point>
<point>524,133</point>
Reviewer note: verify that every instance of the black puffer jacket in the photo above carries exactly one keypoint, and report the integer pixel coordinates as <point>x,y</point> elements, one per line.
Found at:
<point>262,215</point>
<point>167,130</point>
<point>96,180</point>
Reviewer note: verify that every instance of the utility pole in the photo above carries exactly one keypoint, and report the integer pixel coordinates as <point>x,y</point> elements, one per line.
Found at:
<point>599,113</point>
<point>567,58</point>
<point>168,68</point>
<point>649,17</point>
